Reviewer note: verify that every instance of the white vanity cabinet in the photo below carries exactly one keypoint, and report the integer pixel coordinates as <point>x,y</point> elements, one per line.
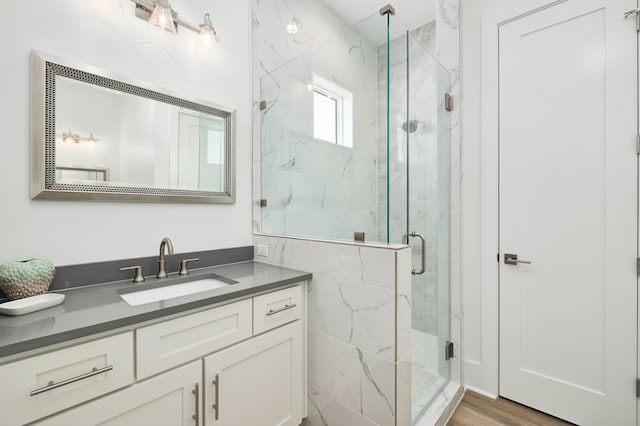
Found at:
<point>242,363</point>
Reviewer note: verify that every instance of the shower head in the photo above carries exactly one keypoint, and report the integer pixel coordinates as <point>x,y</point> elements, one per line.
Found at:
<point>410,126</point>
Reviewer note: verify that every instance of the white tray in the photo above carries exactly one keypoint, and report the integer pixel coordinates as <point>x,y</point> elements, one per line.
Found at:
<point>31,304</point>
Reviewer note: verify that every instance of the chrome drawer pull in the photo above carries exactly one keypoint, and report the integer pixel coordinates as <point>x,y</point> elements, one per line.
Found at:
<point>52,386</point>
<point>196,416</point>
<point>216,402</point>
<point>284,308</point>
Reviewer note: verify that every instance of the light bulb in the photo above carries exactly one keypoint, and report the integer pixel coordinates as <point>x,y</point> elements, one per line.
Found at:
<point>293,26</point>
<point>162,16</point>
<point>68,137</point>
<point>207,33</point>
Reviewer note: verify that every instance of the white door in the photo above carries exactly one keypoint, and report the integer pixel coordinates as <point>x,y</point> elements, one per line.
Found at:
<point>568,197</point>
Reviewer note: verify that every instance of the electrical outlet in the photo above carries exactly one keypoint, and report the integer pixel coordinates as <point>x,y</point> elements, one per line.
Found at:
<point>262,250</point>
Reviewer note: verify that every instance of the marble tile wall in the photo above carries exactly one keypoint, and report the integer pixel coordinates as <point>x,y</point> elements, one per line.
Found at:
<point>353,347</point>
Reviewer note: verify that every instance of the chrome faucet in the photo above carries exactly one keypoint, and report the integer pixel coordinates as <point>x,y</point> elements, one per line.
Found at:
<point>166,242</point>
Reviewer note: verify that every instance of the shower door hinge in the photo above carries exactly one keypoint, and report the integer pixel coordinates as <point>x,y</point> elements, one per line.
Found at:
<point>263,105</point>
<point>448,351</point>
<point>638,144</point>
<point>448,102</point>
<point>637,388</point>
<point>638,266</point>
<point>263,203</point>
<point>636,13</point>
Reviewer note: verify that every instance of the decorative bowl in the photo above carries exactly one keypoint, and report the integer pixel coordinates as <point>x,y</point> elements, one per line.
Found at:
<point>26,278</point>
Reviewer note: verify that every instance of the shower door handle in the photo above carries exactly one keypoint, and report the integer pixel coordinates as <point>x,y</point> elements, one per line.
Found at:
<point>423,242</point>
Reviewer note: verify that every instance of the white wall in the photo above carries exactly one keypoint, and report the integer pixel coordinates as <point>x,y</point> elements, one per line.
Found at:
<point>106,34</point>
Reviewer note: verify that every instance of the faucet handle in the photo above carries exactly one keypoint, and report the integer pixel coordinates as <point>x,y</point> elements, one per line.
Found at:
<point>139,277</point>
<point>183,265</point>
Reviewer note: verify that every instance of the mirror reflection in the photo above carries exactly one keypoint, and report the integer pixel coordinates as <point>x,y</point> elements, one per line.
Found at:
<point>142,142</point>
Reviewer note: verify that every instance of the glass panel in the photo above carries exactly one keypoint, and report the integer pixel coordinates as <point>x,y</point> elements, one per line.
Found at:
<point>427,126</point>
<point>418,197</point>
<point>397,147</point>
<point>314,188</point>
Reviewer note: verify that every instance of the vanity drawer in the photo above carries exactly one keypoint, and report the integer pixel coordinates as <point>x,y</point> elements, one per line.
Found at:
<point>178,341</point>
<point>45,384</point>
<point>274,309</point>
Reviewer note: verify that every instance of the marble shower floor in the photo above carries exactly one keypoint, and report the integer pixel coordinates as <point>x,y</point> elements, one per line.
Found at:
<point>426,383</point>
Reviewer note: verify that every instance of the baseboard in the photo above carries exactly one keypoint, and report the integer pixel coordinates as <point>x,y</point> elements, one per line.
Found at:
<point>481,392</point>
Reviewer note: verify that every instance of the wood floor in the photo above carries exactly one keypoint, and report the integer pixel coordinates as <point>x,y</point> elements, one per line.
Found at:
<point>478,410</point>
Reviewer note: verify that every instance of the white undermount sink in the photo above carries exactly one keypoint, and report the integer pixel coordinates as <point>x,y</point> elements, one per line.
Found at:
<point>156,294</point>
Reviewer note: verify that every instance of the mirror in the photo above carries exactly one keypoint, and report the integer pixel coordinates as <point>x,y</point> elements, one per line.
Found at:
<point>97,136</point>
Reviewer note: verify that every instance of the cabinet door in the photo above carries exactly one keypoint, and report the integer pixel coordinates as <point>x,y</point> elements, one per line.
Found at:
<point>257,382</point>
<point>170,399</point>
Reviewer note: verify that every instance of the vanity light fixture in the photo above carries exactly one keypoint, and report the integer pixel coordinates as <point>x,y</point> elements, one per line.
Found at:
<point>293,26</point>
<point>160,13</point>
<point>70,137</point>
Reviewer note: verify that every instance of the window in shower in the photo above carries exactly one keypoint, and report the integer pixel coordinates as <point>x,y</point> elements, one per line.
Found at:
<point>332,112</point>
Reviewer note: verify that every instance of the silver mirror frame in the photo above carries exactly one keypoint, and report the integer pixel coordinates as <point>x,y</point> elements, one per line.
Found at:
<point>44,69</point>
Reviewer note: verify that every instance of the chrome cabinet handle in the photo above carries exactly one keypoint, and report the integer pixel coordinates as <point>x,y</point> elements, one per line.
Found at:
<point>183,265</point>
<point>512,259</point>
<point>216,402</point>
<point>52,385</point>
<point>139,276</point>
<point>196,416</point>
<point>423,242</point>
<point>284,308</point>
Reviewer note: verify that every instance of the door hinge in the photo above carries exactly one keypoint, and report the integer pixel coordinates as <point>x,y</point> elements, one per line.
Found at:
<point>637,388</point>
<point>638,266</point>
<point>636,13</point>
<point>638,144</point>
<point>263,105</point>
<point>263,203</point>
<point>448,351</point>
<point>448,102</point>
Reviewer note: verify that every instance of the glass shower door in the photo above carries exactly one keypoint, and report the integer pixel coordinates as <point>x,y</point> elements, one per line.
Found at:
<point>428,208</point>
<point>418,176</point>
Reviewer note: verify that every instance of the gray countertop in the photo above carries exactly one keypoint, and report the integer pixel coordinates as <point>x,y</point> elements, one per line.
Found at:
<point>97,308</point>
